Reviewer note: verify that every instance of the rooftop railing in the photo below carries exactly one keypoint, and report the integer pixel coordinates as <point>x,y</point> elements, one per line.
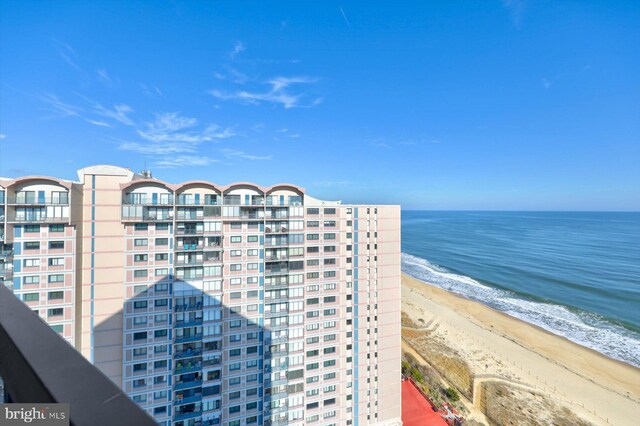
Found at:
<point>39,366</point>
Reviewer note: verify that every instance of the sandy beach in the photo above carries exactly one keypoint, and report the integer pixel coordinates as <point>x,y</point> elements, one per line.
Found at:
<point>502,350</point>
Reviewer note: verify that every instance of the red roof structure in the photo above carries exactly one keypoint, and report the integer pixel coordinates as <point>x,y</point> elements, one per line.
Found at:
<point>416,411</point>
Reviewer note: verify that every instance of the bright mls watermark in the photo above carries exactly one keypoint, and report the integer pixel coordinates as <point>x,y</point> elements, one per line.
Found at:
<point>34,414</point>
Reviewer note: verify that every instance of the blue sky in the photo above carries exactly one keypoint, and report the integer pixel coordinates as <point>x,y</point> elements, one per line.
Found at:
<point>433,105</point>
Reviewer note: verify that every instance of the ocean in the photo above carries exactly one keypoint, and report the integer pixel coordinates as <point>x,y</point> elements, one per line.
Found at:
<point>575,274</point>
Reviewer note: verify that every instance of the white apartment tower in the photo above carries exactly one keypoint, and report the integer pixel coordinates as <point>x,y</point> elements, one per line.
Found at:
<point>224,305</point>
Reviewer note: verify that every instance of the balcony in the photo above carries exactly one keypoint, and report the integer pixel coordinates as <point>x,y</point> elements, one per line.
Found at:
<point>190,247</point>
<point>141,200</point>
<point>38,201</point>
<point>148,217</point>
<point>38,366</point>
<point>188,367</point>
<point>276,230</point>
<point>189,231</point>
<point>40,218</point>
<point>189,338</point>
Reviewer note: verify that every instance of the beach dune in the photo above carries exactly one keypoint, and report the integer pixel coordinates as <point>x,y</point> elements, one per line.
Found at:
<point>502,350</point>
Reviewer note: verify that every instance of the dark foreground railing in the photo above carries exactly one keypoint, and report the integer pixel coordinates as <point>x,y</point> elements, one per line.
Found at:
<point>38,366</point>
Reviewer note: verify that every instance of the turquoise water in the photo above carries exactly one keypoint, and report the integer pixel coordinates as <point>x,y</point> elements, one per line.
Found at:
<point>575,274</point>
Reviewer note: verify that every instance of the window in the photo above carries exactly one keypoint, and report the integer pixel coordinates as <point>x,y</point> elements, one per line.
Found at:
<point>58,278</point>
<point>159,410</point>
<point>252,266</point>
<point>160,242</point>
<point>162,226</point>
<point>162,256</point>
<point>56,261</point>
<point>31,297</point>
<point>330,211</point>
<point>141,226</point>
<point>140,304</point>
<point>32,228</point>
<point>161,287</point>
<point>313,211</point>
<point>313,249</point>
<point>140,258</point>
<point>236,239</point>
<point>140,273</point>
<point>252,239</point>
<point>56,245</point>
<point>252,252</point>
<point>139,320</point>
<point>235,323</point>
<point>235,253</point>
<point>31,279</point>
<point>140,335</point>
<point>139,351</point>
<point>234,395</point>
<point>329,249</point>
<point>330,236</point>
<point>140,242</point>
<point>161,303</point>
<point>313,237</point>
<point>329,274</point>
<point>313,224</point>
<point>32,245</point>
<point>58,328</point>
<point>54,312</point>
<point>56,295</point>
<point>235,267</point>
<point>139,383</point>
<point>56,228</point>
<point>140,367</point>
<point>162,272</point>
<point>29,263</point>
<point>313,262</point>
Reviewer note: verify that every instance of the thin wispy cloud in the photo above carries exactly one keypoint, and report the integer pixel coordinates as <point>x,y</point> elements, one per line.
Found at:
<point>238,47</point>
<point>183,161</point>
<point>233,154</point>
<point>344,16</point>
<point>106,79</point>
<point>2,136</point>
<point>382,145</point>
<point>60,108</point>
<point>231,74</point>
<point>516,9</point>
<point>67,54</point>
<point>278,93</point>
<point>546,83</point>
<point>151,91</point>
<point>119,113</point>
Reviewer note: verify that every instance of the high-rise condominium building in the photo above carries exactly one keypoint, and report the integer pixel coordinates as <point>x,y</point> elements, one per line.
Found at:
<point>232,305</point>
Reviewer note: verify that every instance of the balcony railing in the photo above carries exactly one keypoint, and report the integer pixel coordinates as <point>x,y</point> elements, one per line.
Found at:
<point>38,201</point>
<point>37,218</point>
<point>148,201</point>
<point>38,366</point>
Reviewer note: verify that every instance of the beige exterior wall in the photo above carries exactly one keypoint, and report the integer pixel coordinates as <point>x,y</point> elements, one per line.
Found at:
<point>334,308</point>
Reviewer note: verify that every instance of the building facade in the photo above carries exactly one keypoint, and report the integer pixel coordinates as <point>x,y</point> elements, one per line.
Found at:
<point>233,305</point>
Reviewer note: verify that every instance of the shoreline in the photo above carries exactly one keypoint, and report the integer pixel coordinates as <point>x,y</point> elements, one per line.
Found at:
<point>596,387</point>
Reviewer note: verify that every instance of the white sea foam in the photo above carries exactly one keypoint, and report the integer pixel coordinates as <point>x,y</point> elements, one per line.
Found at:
<point>584,328</point>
